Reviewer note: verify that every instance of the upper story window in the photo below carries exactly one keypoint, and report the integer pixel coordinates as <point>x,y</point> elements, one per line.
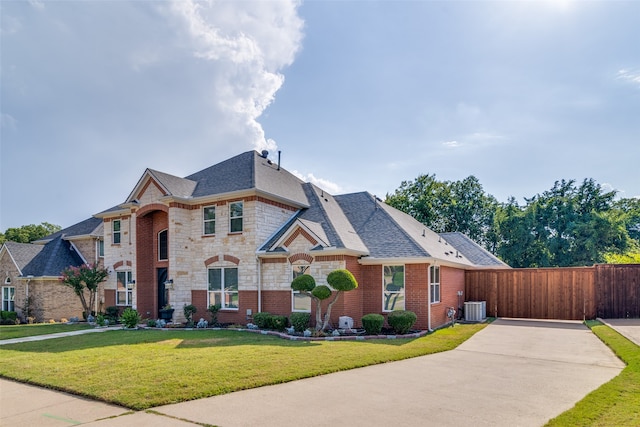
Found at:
<point>163,245</point>
<point>8,297</point>
<point>235,217</point>
<point>209,220</point>
<point>393,288</point>
<point>100,248</point>
<point>434,283</point>
<point>116,235</point>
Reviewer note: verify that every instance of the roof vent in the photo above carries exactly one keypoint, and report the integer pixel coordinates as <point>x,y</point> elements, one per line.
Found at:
<point>264,154</point>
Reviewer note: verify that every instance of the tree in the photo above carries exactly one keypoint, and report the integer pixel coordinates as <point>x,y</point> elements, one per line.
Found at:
<point>87,277</point>
<point>340,280</point>
<point>460,206</point>
<point>29,233</point>
<point>568,225</point>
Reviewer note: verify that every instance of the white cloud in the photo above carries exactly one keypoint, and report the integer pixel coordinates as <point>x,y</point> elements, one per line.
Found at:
<point>631,76</point>
<point>325,184</point>
<point>451,144</point>
<point>250,43</point>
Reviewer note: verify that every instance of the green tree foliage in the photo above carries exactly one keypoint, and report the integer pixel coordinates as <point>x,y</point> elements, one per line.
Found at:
<point>87,277</point>
<point>568,225</point>
<point>447,206</point>
<point>28,233</point>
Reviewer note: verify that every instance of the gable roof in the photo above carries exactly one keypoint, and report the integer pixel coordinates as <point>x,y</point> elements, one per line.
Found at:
<point>244,172</point>
<point>43,260</point>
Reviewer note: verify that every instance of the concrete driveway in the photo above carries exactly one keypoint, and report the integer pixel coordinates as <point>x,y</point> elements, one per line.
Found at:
<point>512,373</point>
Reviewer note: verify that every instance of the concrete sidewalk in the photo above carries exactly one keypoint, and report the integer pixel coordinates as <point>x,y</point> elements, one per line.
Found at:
<point>512,373</point>
<point>629,328</point>
<point>57,335</point>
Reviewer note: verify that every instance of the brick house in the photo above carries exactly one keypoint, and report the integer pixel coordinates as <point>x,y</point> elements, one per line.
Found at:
<point>32,270</point>
<point>237,233</point>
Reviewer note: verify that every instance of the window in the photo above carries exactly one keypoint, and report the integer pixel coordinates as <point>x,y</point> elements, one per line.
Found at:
<point>300,301</point>
<point>101,248</point>
<point>116,236</point>
<point>124,293</point>
<point>8,297</point>
<point>209,220</point>
<point>235,217</point>
<point>223,287</point>
<point>393,288</point>
<point>163,246</point>
<point>434,282</point>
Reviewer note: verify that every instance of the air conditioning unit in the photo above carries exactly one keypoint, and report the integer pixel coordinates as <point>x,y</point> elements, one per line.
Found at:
<point>345,322</point>
<point>475,311</point>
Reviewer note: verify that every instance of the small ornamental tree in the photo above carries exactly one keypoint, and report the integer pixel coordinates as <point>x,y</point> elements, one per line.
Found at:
<point>85,277</point>
<point>339,280</point>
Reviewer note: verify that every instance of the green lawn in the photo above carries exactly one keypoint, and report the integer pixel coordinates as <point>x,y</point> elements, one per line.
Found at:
<point>20,331</point>
<point>616,403</point>
<point>146,368</point>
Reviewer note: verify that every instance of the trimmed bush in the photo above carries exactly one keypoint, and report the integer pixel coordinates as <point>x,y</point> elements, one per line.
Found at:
<point>321,292</point>
<point>303,283</point>
<point>300,321</point>
<point>372,323</point>
<point>279,323</point>
<point>401,321</point>
<point>262,320</point>
<point>8,318</point>
<point>130,318</point>
<point>112,313</point>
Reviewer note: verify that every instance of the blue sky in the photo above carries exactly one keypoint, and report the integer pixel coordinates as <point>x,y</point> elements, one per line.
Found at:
<point>358,95</point>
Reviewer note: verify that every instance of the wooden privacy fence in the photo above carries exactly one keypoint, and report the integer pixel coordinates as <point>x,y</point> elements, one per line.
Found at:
<point>573,293</point>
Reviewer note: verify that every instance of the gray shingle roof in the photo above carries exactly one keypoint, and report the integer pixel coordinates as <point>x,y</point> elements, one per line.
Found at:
<point>383,236</point>
<point>176,186</point>
<point>44,260</point>
<point>248,171</point>
<point>91,226</point>
<point>471,250</point>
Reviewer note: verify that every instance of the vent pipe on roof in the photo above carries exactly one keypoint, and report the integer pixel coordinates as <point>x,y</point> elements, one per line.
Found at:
<point>279,159</point>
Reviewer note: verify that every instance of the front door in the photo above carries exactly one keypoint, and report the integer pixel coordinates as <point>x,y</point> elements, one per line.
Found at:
<point>163,293</point>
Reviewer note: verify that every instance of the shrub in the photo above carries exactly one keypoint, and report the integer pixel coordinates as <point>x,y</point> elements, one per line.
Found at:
<point>279,323</point>
<point>300,321</point>
<point>262,320</point>
<point>372,323</point>
<point>151,323</point>
<point>8,318</point>
<point>112,312</point>
<point>401,321</point>
<point>189,311</point>
<point>213,311</point>
<point>130,318</point>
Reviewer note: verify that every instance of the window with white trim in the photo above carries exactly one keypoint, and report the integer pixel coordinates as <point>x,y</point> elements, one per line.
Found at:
<point>434,283</point>
<point>116,233</point>
<point>163,245</point>
<point>8,297</point>
<point>124,289</point>
<point>209,220</point>
<point>100,244</point>
<point>393,288</point>
<point>223,287</point>
<point>235,217</point>
<point>300,301</point>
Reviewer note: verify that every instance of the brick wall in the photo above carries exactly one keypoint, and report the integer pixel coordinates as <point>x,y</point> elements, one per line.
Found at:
<point>451,281</point>
<point>417,292</point>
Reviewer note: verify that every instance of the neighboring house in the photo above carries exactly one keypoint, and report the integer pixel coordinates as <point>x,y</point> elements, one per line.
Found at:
<point>32,270</point>
<point>238,232</point>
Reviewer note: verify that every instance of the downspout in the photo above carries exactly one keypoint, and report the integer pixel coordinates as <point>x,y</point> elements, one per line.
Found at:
<point>429,297</point>
<point>258,265</point>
